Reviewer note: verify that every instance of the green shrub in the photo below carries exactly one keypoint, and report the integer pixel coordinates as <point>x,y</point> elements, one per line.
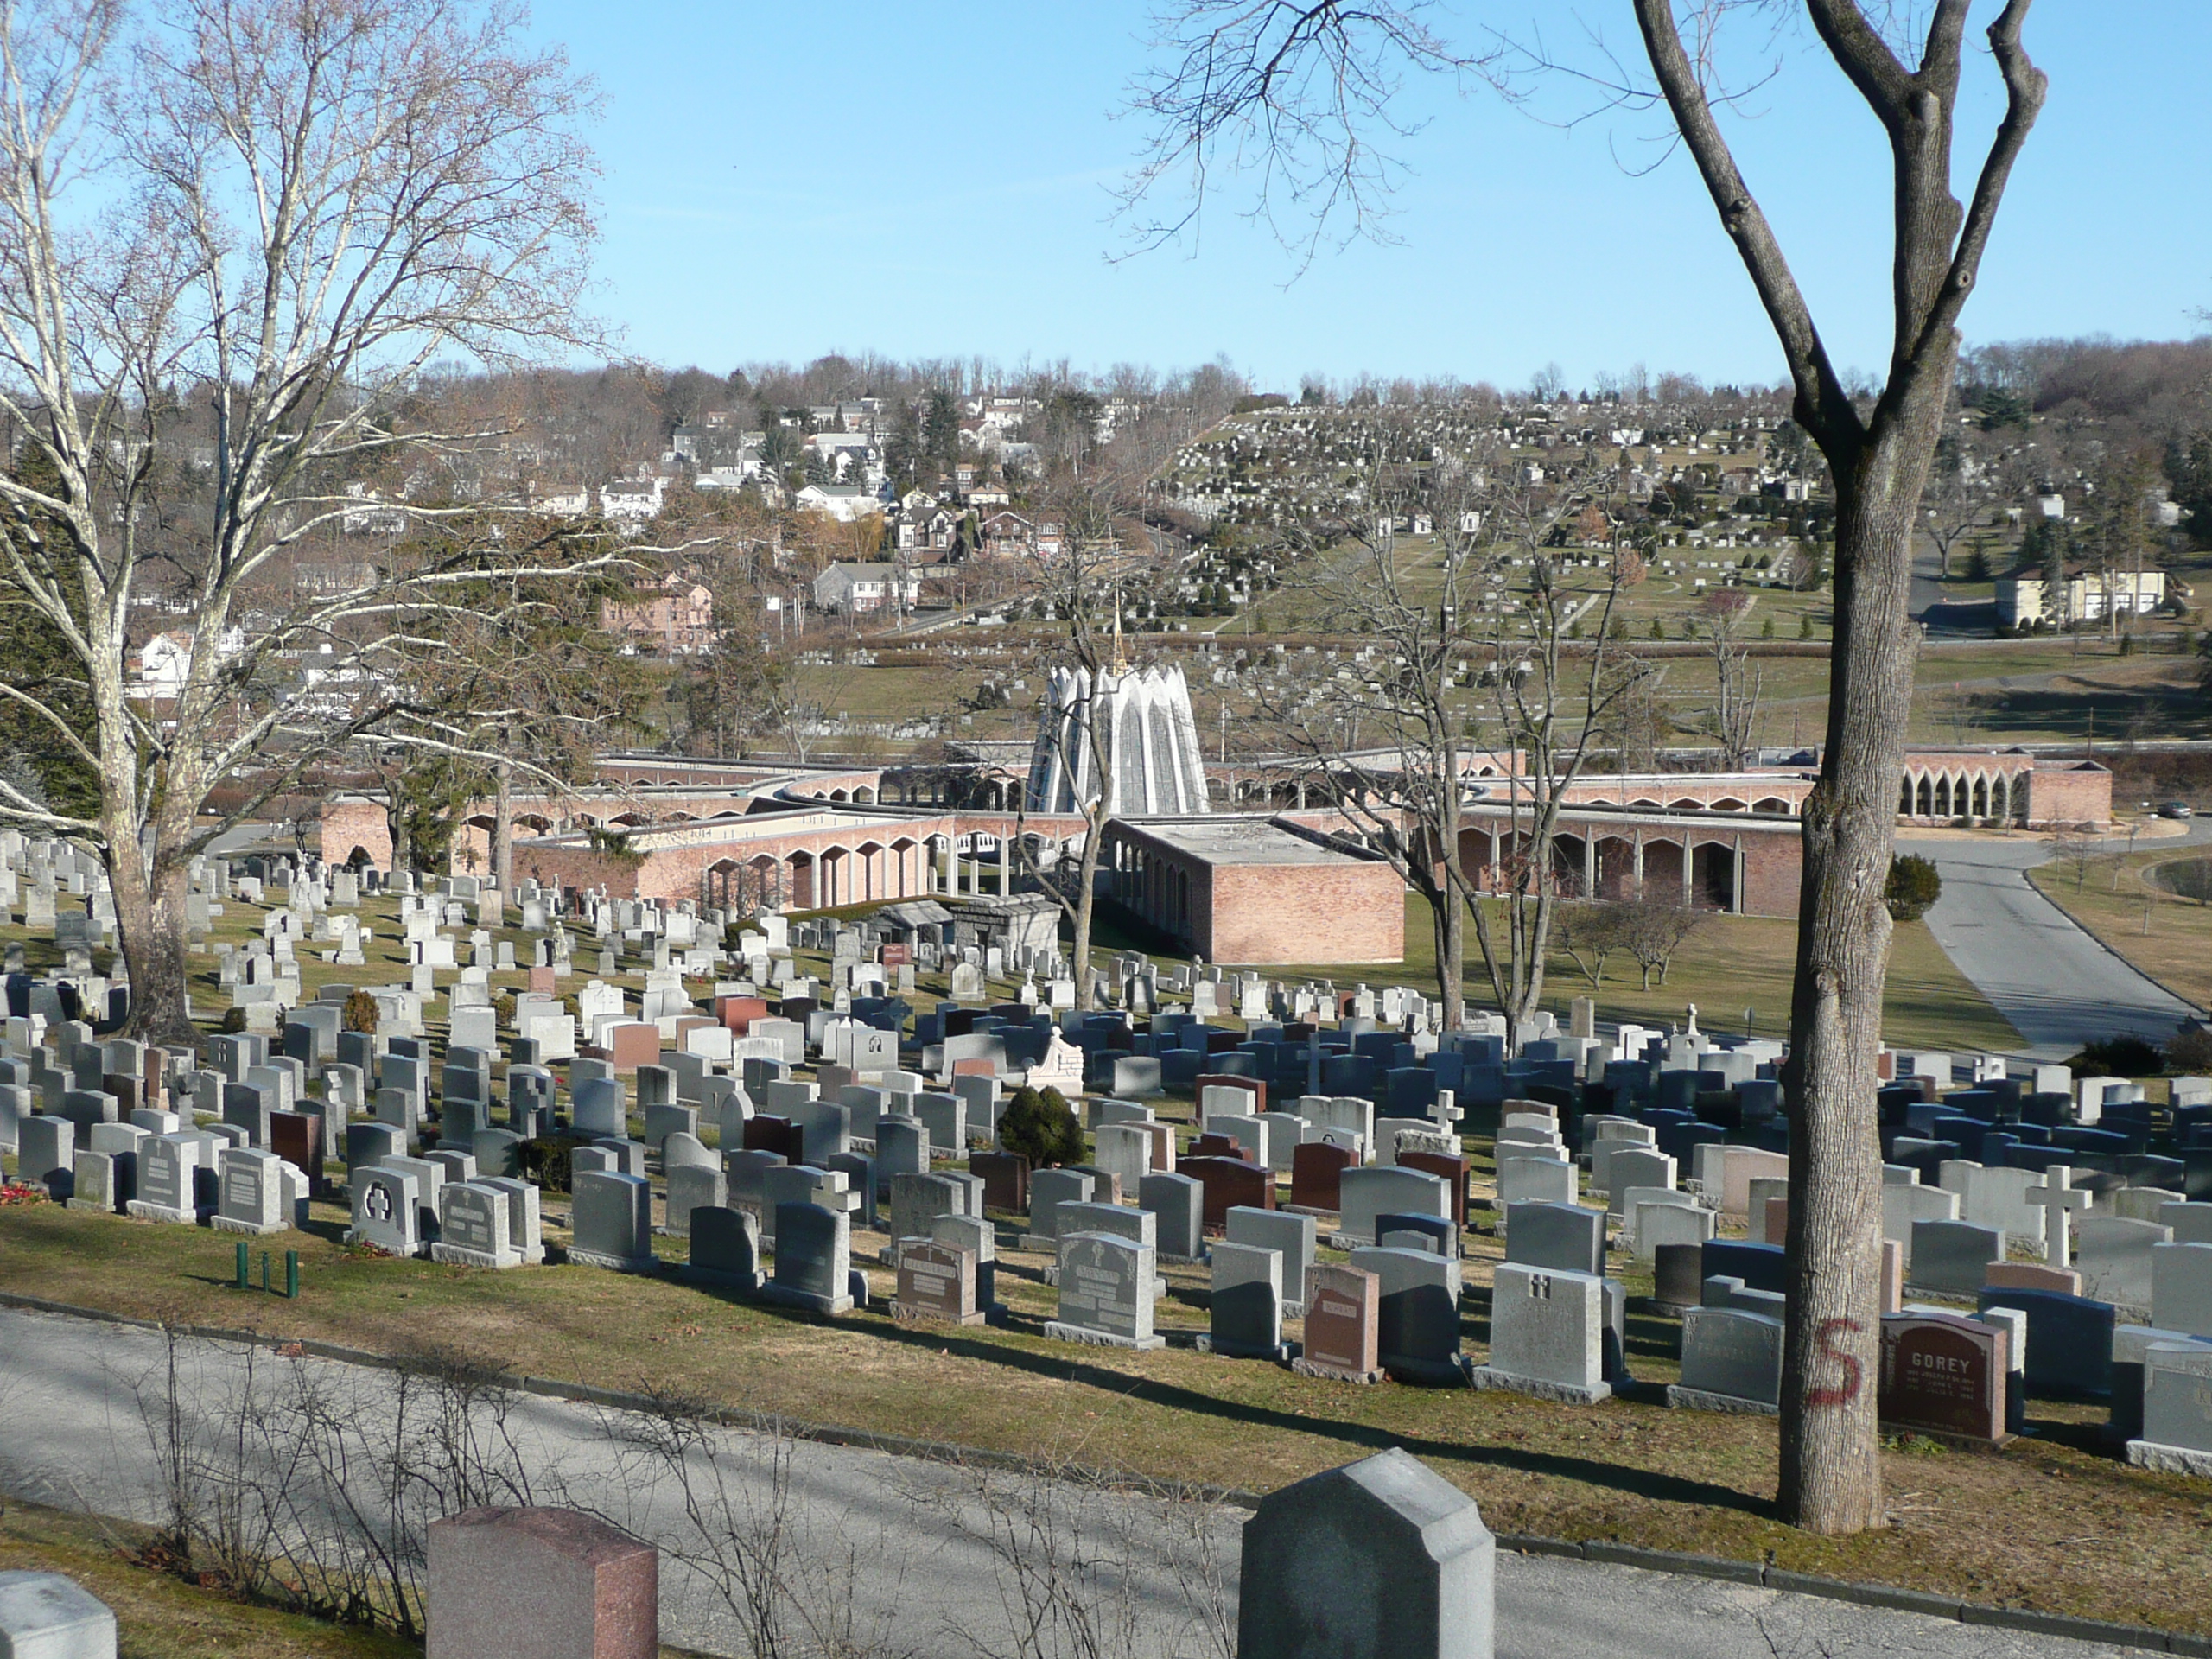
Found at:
<point>360,1013</point>
<point>233,1023</point>
<point>545,1159</point>
<point>1914,886</point>
<point>2188,1050</point>
<point>2119,1056</point>
<point>1042,1127</point>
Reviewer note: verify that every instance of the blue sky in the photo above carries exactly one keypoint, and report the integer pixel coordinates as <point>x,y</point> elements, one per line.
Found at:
<point>922,179</point>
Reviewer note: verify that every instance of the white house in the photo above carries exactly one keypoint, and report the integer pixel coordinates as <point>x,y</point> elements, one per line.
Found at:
<point>633,498</point>
<point>165,660</point>
<point>2086,598</point>
<point>857,589</point>
<point>843,502</point>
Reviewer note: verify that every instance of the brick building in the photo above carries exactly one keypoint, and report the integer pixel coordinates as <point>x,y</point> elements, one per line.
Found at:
<point>1257,890</point>
<point>1749,865</point>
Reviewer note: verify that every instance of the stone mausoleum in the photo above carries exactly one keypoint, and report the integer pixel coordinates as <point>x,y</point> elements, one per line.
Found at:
<point>1144,756</point>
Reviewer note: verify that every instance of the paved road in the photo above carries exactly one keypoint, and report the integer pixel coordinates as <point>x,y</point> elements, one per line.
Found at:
<point>2055,982</point>
<point>895,1541</point>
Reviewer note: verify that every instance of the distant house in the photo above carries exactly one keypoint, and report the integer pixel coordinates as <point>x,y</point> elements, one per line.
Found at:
<point>633,498</point>
<point>2088,597</point>
<point>561,502</point>
<point>674,615</point>
<point>163,662</point>
<point>846,454</point>
<point>857,589</point>
<point>370,517</point>
<point>1007,536</point>
<point>926,530</point>
<point>843,502</point>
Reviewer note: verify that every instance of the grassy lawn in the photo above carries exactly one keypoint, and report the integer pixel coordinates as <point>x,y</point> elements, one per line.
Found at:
<point>160,1617</point>
<point>2006,1528</point>
<point>1734,963</point>
<point>2169,939</point>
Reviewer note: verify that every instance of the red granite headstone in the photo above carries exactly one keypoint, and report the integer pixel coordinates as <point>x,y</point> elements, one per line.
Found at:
<point>1343,1325</point>
<point>1316,1169</point>
<point>552,1583</point>
<point>1777,1221</point>
<point>1451,1167</point>
<point>937,1284</point>
<point>632,1044</point>
<point>2031,1276</point>
<point>1162,1136</point>
<point>1229,1182</point>
<point>975,1068</point>
<point>1218,1146</point>
<point>1892,1275</point>
<point>296,1137</point>
<point>738,1013</point>
<point>544,982</point>
<point>1944,1374</point>
<point>1005,1176</point>
<point>764,1132</point>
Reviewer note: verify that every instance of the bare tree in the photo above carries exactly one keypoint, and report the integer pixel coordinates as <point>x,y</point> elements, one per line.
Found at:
<point>1653,930</point>
<point>1394,740</point>
<point>324,200</point>
<point>1385,742</point>
<point>1589,934</point>
<point>1104,564</point>
<point>1952,502</point>
<point>1548,640</point>
<point>1737,681</point>
<point>2074,847</point>
<point>1294,90</point>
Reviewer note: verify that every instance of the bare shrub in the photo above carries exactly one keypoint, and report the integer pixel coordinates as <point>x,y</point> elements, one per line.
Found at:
<point>313,1486</point>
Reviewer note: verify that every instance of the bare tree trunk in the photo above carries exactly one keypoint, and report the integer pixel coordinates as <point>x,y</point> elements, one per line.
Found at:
<point>150,924</point>
<point>1830,1450</point>
<point>1449,925</point>
<point>503,829</point>
<point>1086,901</point>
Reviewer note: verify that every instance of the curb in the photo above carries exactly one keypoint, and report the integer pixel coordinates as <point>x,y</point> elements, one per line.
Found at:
<point>1889,1597</point>
<point>1600,1552</point>
<point>2091,935</point>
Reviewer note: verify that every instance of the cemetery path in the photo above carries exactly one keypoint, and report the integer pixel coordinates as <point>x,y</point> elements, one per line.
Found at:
<point>904,1544</point>
<point>2057,984</point>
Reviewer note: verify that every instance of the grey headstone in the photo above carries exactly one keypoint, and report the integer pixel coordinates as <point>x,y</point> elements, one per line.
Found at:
<point>724,1247</point>
<point>1952,1258</point>
<point>1292,1237</point>
<point>1106,1291</point>
<point>1731,1360</point>
<point>1179,1203</point>
<point>1245,1317</point>
<point>1383,1559</point>
<point>1547,1334</point>
<point>611,1221</point>
<point>813,1259</point>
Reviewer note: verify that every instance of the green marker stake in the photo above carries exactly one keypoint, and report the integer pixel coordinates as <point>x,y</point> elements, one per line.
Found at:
<point>264,1270</point>
<point>243,1262</point>
<point>292,1275</point>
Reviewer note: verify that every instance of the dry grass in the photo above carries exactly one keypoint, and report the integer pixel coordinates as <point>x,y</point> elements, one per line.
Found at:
<point>2008,1528</point>
<point>2169,939</point>
<point>160,1617</point>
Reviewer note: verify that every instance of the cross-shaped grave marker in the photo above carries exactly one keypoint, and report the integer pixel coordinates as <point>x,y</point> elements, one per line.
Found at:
<point>2057,1196</point>
<point>379,1203</point>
